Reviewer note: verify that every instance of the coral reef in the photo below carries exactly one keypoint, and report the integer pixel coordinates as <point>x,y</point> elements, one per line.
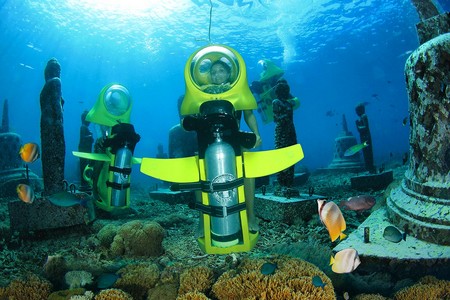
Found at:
<point>65,294</point>
<point>138,279</point>
<point>199,279</point>
<point>193,296</point>
<point>291,280</point>
<point>106,234</point>
<point>54,268</point>
<point>428,288</point>
<point>88,295</point>
<point>165,291</point>
<point>76,279</point>
<point>113,294</point>
<point>31,288</point>
<point>138,238</point>
<point>369,297</point>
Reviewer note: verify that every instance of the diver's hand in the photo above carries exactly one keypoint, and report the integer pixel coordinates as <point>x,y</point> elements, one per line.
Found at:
<point>258,141</point>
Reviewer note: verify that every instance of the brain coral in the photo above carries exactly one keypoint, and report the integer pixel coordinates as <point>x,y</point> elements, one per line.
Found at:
<point>137,238</point>
<point>428,288</point>
<point>138,279</point>
<point>292,280</point>
<point>199,279</point>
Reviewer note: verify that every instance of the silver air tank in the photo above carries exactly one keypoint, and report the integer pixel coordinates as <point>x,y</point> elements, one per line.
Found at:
<point>220,165</point>
<point>123,161</point>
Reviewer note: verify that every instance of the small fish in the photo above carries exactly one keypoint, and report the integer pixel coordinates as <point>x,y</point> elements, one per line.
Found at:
<point>107,280</point>
<point>405,158</point>
<point>331,217</point>
<point>345,261</point>
<point>394,235</point>
<point>405,121</point>
<point>318,282</point>
<point>67,199</point>
<point>355,149</point>
<point>29,152</point>
<point>346,296</point>
<point>358,203</point>
<point>25,193</point>
<point>268,268</point>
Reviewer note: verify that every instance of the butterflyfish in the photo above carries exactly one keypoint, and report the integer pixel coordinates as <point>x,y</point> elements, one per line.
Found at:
<point>25,193</point>
<point>29,152</point>
<point>355,149</point>
<point>331,216</point>
<point>345,261</point>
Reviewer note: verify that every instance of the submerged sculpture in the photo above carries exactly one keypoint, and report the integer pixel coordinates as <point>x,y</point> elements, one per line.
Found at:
<point>52,130</point>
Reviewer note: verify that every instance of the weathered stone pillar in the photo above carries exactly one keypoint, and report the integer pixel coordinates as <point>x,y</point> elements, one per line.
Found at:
<point>52,130</point>
<point>423,200</point>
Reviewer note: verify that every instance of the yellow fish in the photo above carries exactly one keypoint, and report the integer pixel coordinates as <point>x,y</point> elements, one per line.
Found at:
<point>29,152</point>
<point>331,217</point>
<point>345,261</point>
<point>25,193</point>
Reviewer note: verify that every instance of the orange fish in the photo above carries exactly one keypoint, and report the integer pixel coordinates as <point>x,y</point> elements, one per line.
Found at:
<point>29,152</point>
<point>345,261</point>
<point>25,193</point>
<point>331,217</point>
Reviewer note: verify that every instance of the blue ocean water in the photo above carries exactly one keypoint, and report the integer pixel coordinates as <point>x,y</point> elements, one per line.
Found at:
<point>335,54</point>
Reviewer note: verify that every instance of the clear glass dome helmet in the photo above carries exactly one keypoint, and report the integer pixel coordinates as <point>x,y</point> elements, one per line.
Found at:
<point>117,100</point>
<point>202,62</point>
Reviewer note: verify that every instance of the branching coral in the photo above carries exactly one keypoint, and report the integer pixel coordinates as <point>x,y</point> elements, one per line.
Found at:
<point>291,280</point>
<point>138,279</point>
<point>76,279</point>
<point>196,279</point>
<point>113,294</point>
<point>428,288</point>
<point>137,238</point>
<point>193,296</point>
<point>32,288</point>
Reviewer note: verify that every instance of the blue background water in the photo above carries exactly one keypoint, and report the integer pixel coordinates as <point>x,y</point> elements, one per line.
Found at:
<point>335,53</point>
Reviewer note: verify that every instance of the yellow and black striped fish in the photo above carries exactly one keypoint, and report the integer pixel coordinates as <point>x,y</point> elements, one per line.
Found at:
<point>29,152</point>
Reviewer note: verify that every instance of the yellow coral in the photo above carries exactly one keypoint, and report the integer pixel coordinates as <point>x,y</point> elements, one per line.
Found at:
<point>138,279</point>
<point>291,280</point>
<point>137,238</point>
<point>193,296</point>
<point>196,279</point>
<point>113,294</point>
<point>32,288</point>
<point>428,288</point>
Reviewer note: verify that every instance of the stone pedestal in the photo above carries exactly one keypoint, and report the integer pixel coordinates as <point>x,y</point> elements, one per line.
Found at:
<point>281,209</point>
<point>423,200</point>
<point>374,182</point>
<point>42,215</point>
<point>168,196</point>
<point>344,141</point>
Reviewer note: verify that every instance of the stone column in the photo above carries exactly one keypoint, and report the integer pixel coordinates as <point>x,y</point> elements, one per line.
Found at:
<point>422,203</point>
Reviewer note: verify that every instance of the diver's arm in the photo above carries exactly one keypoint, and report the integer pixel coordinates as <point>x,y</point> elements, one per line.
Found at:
<point>250,119</point>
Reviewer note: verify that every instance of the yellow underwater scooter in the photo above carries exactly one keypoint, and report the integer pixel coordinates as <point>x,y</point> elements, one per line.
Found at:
<point>220,166</point>
<point>109,173</point>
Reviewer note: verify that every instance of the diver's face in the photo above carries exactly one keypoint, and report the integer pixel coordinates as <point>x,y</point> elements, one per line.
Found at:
<point>219,74</point>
